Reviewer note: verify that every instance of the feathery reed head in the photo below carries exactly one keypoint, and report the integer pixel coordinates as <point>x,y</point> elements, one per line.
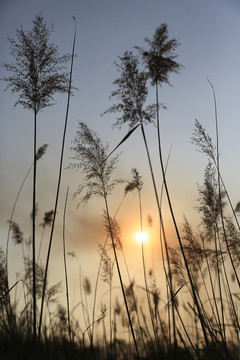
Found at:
<point>90,155</point>
<point>17,234</point>
<point>41,151</point>
<point>132,93</point>
<point>160,57</point>
<point>202,140</point>
<point>37,71</point>
<point>47,220</point>
<point>137,178</point>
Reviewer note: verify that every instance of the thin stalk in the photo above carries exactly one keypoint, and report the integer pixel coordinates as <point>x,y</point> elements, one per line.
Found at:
<point>217,163</point>
<point>228,286</point>
<point>104,334</point>
<point>99,270</point>
<point>110,318</point>
<point>177,231</point>
<point>167,281</point>
<point>219,285</point>
<point>33,229</point>
<point>145,277</point>
<point>84,309</point>
<point>162,328</point>
<point>205,317</point>
<point>168,314</point>
<point>185,330</point>
<point>160,220</point>
<point>40,246</point>
<point>120,277</point>
<point>146,330</point>
<point>212,288</point>
<point>95,290</point>
<point>87,310</point>
<point>11,217</point>
<point>97,280</point>
<point>135,303</point>
<point>58,185</point>
<point>26,307</point>
<point>229,200</point>
<point>115,336</point>
<point>221,214</point>
<point>65,266</point>
<point>9,230</point>
<point>208,297</point>
<point>157,199</point>
<point>164,183</point>
<point>196,329</point>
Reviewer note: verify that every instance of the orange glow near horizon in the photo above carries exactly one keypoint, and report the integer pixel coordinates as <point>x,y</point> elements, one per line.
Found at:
<point>141,236</point>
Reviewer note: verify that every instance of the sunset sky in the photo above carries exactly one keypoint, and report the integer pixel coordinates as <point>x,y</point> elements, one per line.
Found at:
<point>209,34</point>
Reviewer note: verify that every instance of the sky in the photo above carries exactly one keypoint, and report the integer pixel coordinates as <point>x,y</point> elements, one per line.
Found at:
<point>208,32</point>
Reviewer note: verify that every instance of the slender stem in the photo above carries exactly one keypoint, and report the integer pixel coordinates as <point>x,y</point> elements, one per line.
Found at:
<point>208,297</point>
<point>164,183</point>
<point>212,286</point>
<point>110,318</point>
<point>228,287</point>
<point>84,309</point>
<point>65,266</point>
<point>98,273</point>
<point>11,217</point>
<point>185,330</point>
<point>162,230</point>
<point>8,239</point>
<point>164,236</point>
<point>120,277</point>
<point>221,211</point>
<point>95,291</point>
<point>58,185</point>
<point>8,300</point>
<point>135,303</point>
<point>219,283</point>
<point>145,276</point>
<point>40,246</point>
<point>33,228</point>
<point>180,241</point>
<point>217,163</point>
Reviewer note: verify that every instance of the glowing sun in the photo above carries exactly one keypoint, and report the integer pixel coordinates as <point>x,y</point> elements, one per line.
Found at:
<point>141,236</point>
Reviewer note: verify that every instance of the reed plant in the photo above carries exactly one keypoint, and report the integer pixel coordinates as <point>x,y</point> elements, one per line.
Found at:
<point>131,94</point>
<point>199,317</point>
<point>37,72</point>
<point>90,156</point>
<point>68,89</point>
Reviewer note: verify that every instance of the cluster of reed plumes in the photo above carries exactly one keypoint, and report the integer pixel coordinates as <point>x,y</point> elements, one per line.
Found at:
<point>203,266</point>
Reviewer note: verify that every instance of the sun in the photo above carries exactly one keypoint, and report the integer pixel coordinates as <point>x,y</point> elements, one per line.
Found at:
<point>141,236</point>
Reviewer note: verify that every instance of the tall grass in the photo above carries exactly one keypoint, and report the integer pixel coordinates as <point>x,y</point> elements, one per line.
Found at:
<point>199,313</point>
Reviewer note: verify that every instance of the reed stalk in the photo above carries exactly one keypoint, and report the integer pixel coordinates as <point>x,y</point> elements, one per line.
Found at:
<point>58,184</point>
<point>119,272</point>
<point>65,266</point>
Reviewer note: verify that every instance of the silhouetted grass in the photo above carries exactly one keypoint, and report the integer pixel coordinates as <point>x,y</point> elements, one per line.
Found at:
<point>194,315</point>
